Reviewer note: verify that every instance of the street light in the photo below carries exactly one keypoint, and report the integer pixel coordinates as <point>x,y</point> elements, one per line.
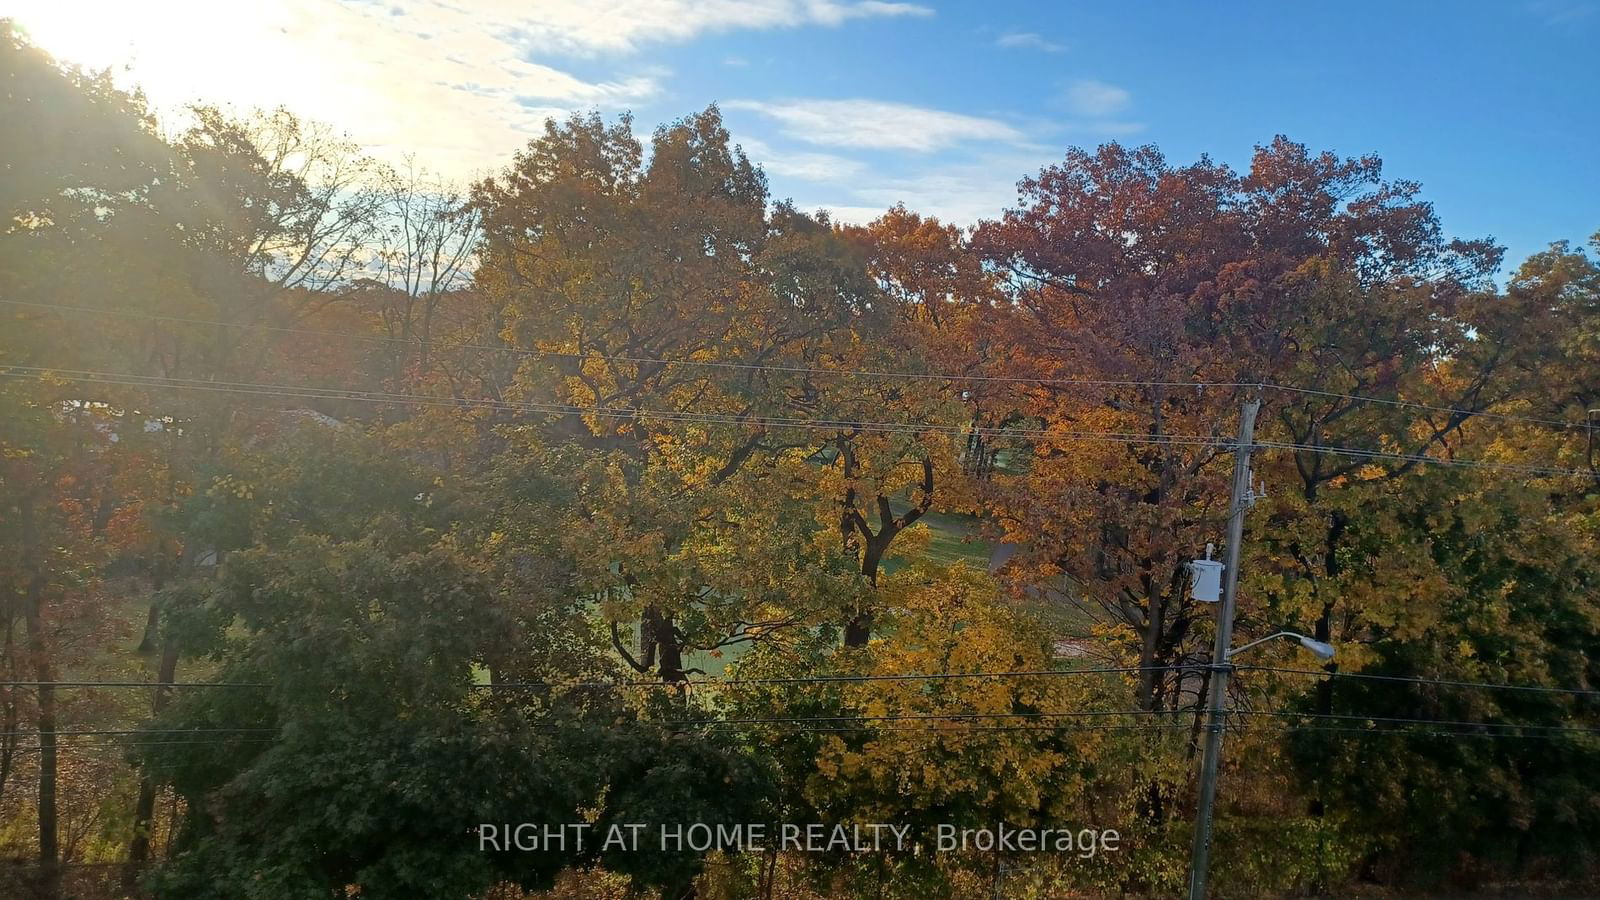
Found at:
<point>1324,651</point>
<point>1218,711</point>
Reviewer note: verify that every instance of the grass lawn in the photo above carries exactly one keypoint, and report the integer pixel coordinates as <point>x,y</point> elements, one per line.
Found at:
<point>955,540</point>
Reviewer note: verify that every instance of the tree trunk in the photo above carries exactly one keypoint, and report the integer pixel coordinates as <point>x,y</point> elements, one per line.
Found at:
<point>659,636</point>
<point>166,673</point>
<point>1149,678</point>
<point>873,546</point>
<point>769,873</point>
<point>858,631</point>
<point>144,809</point>
<point>1323,630</point>
<point>152,621</point>
<point>12,714</point>
<point>39,651</point>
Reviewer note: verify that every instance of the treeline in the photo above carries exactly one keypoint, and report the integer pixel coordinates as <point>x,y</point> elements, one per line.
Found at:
<point>447,502</point>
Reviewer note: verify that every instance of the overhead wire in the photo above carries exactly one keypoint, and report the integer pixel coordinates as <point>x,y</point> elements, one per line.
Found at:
<point>794,369</point>
<point>1437,682</point>
<point>1401,720</point>
<point>859,678</point>
<point>836,679</point>
<point>690,416</point>
<point>959,723</point>
<point>777,422</point>
<point>125,732</point>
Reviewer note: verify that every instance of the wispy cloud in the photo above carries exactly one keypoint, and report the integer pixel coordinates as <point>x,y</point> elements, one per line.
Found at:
<point>1028,40</point>
<point>803,165</point>
<point>960,192</point>
<point>585,27</point>
<point>877,124</point>
<point>460,96</point>
<point>460,83</point>
<point>1088,97</point>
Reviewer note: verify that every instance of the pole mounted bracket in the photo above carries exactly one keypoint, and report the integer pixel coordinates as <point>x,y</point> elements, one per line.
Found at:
<point>1254,492</point>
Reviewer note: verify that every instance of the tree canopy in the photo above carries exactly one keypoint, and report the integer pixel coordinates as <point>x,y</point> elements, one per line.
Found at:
<point>348,512</point>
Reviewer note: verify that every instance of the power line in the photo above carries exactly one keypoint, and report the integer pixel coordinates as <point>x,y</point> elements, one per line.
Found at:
<point>852,679</point>
<point>123,746</point>
<point>973,728</point>
<point>1451,410</point>
<point>130,731</point>
<point>1269,731</point>
<point>1396,720</point>
<point>733,682</point>
<point>1410,733</point>
<point>809,370</point>
<point>832,679</point>
<point>863,718</point>
<point>914,717</point>
<point>1438,682</point>
<point>956,726</point>
<point>696,417</point>
<point>1521,468</point>
<point>260,389</point>
<point>1075,714</point>
<point>134,684</point>
<point>560,354</point>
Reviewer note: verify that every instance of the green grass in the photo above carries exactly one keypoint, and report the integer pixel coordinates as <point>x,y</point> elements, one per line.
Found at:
<point>955,540</point>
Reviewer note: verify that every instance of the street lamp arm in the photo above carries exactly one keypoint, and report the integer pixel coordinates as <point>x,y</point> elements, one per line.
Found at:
<point>1321,649</point>
<point>1243,647</point>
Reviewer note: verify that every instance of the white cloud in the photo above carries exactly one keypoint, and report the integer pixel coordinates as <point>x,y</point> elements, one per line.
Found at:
<point>877,124</point>
<point>1096,98</point>
<point>803,165</point>
<point>459,96</point>
<point>620,26</point>
<point>960,192</point>
<point>847,215</point>
<point>1028,40</point>
<point>454,81</point>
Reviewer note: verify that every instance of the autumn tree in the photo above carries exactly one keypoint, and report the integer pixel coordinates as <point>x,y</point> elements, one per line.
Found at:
<point>1151,298</point>
<point>664,315</point>
<point>81,157</point>
<point>426,237</point>
<point>1469,577</point>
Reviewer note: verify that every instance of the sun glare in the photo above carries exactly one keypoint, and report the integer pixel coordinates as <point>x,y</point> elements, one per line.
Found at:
<point>181,51</point>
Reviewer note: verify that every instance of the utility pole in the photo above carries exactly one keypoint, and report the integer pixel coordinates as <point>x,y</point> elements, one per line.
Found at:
<point>1219,658</point>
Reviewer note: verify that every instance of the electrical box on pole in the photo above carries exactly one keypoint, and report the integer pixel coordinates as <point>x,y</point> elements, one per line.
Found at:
<point>1205,578</point>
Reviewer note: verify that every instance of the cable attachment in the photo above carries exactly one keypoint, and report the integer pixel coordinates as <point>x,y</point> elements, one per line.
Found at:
<point>1255,491</point>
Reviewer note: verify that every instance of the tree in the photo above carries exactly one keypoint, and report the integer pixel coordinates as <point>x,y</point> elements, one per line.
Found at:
<point>663,310</point>
<point>377,732</point>
<point>1499,592</point>
<point>969,751</point>
<point>81,157</point>
<point>428,233</point>
<point>1134,279</point>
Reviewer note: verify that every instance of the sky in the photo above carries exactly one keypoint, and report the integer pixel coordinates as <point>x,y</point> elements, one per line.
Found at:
<point>854,105</point>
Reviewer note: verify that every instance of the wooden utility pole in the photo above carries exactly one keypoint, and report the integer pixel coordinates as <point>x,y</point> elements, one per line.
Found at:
<point>1220,667</point>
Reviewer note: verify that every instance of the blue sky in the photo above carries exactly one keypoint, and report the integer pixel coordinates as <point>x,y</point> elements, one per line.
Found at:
<point>856,104</point>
